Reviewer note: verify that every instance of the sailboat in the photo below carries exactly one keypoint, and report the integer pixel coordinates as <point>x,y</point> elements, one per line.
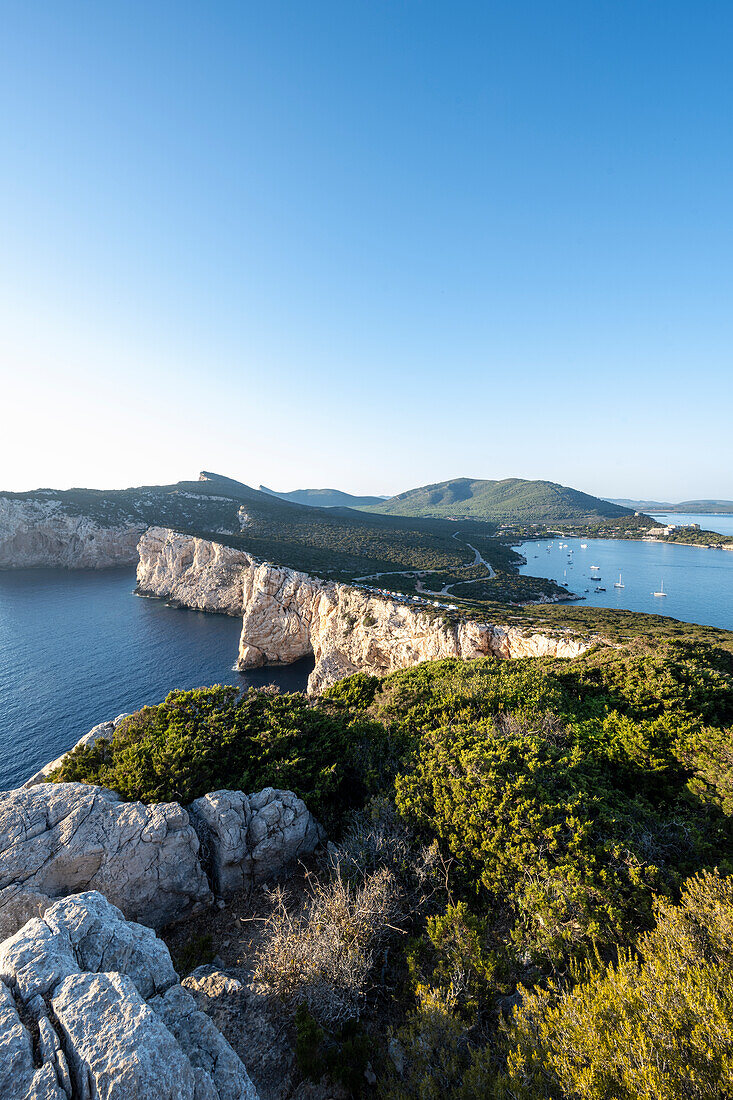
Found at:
<point>618,584</point>
<point>661,591</point>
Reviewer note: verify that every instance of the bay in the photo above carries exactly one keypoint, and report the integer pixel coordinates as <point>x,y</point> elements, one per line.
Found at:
<point>78,648</point>
<point>698,582</point>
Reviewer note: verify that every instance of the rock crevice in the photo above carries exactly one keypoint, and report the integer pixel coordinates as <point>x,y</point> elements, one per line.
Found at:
<point>91,1009</point>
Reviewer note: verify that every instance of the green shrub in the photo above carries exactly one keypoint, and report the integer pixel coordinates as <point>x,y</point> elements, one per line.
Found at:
<point>546,830</point>
<point>656,1026</point>
<point>199,741</point>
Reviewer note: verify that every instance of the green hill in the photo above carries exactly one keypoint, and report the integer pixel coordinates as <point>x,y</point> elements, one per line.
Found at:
<point>323,498</point>
<point>513,500</point>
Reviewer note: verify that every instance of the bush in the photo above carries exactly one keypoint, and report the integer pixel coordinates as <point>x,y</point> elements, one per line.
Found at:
<point>430,1052</point>
<point>546,830</point>
<point>656,1026</point>
<point>454,957</point>
<point>199,741</point>
<point>320,953</point>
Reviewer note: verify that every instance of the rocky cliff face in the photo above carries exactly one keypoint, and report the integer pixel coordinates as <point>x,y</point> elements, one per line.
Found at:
<point>37,533</point>
<point>193,572</point>
<point>287,614</point>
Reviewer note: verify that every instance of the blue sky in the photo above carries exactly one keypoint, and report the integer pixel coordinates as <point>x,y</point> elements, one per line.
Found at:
<point>368,244</point>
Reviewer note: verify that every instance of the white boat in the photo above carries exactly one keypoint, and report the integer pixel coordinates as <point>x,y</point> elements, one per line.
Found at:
<point>595,567</point>
<point>661,591</point>
<point>618,584</point>
<point>584,546</point>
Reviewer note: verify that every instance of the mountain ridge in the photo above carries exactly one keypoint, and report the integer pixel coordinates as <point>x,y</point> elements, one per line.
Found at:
<point>324,498</point>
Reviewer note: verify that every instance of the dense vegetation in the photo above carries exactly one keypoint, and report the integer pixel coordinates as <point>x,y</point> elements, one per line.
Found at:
<point>512,500</point>
<point>691,536</point>
<point>339,543</point>
<point>532,854</point>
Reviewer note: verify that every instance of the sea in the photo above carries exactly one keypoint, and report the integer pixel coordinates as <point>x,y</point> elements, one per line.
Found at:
<point>78,648</point>
<point>698,583</point>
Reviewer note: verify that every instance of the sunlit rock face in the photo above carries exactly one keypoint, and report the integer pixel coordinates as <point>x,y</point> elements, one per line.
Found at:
<point>38,533</point>
<point>287,614</point>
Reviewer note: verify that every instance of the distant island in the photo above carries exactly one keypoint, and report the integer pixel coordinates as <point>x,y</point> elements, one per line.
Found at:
<point>696,507</point>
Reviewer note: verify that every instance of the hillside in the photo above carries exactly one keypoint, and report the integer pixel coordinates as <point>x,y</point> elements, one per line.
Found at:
<point>323,498</point>
<point>504,836</point>
<point>701,507</point>
<point>338,543</point>
<point>512,500</point>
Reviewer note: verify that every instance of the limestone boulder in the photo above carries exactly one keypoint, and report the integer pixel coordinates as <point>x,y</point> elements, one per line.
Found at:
<point>112,1020</point>
<point>64,838</point>
<point>211,1056</point>
<point>117,1044</point>
<point>247,839</point>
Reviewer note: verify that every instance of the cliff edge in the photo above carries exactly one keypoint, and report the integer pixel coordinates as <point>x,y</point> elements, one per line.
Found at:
<point>287,614</point>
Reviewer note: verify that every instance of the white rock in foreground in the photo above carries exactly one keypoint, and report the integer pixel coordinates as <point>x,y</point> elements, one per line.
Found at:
<point>63,838</point>
<point>113,1022</point>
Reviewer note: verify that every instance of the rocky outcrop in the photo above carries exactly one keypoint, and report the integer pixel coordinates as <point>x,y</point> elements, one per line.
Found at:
<point>288,614</point>
<point>91,1009</point>
<point>194,572</point>
<point>155,862</point>
<point>63,838</point>
<point>250,839</point>
<point>37,532</point>
<point>252,1023</point>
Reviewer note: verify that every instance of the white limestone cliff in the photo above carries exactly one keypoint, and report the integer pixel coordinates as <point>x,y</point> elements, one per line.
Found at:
<point>40,533</point>
<point>287,614</point>
<point>194,572</point>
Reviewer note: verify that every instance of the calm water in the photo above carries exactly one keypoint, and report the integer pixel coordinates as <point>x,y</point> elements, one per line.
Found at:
<point>77,648</point>
<point>699,582</point>
<point>722,524</point>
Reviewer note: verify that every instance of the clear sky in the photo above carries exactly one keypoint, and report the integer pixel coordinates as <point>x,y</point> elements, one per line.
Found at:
<point>367,244</point>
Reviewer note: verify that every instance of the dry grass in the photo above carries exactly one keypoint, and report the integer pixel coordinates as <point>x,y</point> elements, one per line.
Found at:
<point>321,951</point>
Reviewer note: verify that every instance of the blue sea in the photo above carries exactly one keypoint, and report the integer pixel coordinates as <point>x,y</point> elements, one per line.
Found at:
<point>723,524</point>
<point>78,648</point>
<point>698,582</point>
